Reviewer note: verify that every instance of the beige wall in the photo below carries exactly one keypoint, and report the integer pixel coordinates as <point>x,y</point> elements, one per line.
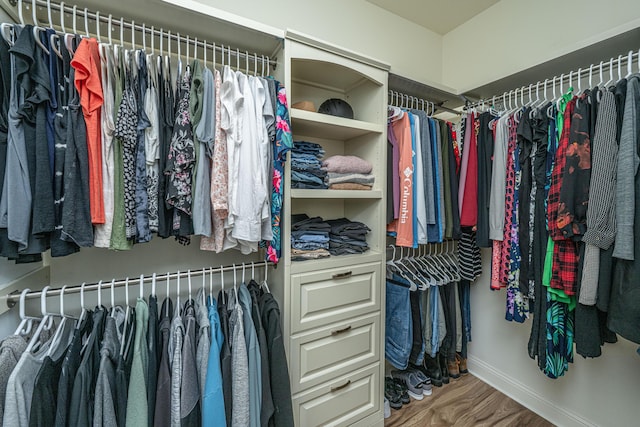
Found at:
<point>412,51</point>
<point>514,35</point>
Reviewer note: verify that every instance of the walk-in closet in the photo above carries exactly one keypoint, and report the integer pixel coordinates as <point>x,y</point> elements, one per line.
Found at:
<point>338,213</point>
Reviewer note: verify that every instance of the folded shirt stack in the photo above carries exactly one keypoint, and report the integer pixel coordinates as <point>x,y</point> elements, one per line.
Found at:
<point>348,173</point>
<point>309,238</point>
<point>314,238</point>
<point>347,237</point>
<point>306,171</point>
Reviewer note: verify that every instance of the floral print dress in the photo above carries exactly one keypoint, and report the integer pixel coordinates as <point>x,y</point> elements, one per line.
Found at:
<point>181,159</point>
<point>281,145</point>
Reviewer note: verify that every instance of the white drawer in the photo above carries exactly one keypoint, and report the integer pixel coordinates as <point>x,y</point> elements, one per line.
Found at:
<point>340,402</point>
<point>332,351</point>
<point>331,295</point>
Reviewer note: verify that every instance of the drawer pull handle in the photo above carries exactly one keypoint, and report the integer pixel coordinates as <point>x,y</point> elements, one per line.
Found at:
<point>342,275</point>
<point>340,387</point>
<point>341,331</point>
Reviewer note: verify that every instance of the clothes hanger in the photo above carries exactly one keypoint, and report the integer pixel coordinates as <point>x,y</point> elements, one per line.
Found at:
<point>53,38</point>
<point>211,283</point>
<point>45,324</point>
<point>141,286</point>
<point>127,314</point>
<point>266,273</point>
<point>243,270</point>
<point>113,298</point>
<point>222,294</point>
<point>58,334</point>
<point>6,30</point>
<point>237,60</point>
<point>235,283</point>
<point>178,303</point>
<point>204,287</point>
<point>168,294</point>
<point>153,285</point>
<point>83,312</point>
<point>36,28</point>
<point>629,64</point>
<point>26,322</point>
<point>189,285</point>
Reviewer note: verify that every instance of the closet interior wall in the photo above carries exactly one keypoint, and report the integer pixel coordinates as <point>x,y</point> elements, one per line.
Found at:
<point>159,255</point>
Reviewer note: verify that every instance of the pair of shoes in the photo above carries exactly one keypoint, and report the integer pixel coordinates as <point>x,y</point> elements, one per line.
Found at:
<point>411,381</point>
<point>443,367</point>
<point>387,408</point>
<point>462,364</point>
<point>453,368</point>
<point>425,381</point>
<point>391,393</point>
<point>402,391</point>
<point>431,368</point>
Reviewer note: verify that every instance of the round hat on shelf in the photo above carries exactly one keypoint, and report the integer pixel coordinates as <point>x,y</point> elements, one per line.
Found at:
<point>336,107</point>
<point>305,105</point>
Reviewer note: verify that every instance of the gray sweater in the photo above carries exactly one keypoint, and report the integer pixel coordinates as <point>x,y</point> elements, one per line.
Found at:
<point>601,213</point>
<point>628,162</point>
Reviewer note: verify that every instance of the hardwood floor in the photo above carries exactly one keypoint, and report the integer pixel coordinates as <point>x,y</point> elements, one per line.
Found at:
<point>465,402</point>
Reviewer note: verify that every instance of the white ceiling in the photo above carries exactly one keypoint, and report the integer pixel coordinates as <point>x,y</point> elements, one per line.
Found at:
<point>436,15</point>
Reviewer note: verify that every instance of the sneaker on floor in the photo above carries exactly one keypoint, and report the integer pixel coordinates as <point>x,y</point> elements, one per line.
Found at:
<point>391,393</point>
<point>387,408</point>
<point>412,382</point>
<point>402,390</point>
<point>425,382</point>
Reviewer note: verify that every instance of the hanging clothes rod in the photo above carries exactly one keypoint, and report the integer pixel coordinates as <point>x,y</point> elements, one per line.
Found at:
<point>151,31</point>
<point>14,297</point>
<point>556,81</point>
<point>402,100</point>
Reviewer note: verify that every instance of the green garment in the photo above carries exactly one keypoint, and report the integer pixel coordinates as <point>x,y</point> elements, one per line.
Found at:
<point>137,403</point>
<point>119,240</point>
<point>554,294</point>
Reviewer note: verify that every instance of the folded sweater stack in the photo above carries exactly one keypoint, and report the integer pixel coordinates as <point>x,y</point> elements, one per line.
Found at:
<point>348,173</point>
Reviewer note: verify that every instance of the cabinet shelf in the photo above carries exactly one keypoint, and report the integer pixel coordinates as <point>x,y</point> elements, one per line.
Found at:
<point>335,262</point>
<point>308,123</point>
<point>335,194</point>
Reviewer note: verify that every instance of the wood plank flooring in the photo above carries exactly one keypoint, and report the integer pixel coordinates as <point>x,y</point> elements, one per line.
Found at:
<point>465,402</point>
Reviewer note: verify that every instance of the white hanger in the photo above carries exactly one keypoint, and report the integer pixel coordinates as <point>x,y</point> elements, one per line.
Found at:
<point>57,336</point>
<point>211,283</point>
<point>153,284</point>
<point>127,313</point>
<point>113,298</point>
<point>222,279</point>
<point>237,59</point>
<point>266,273</point>
<point>610,74</point>
<point>83,312</point>
<point>178,291</point>
<point>45,323</point>
<point>168,294</point>
<point>619,67</point>
<point>204,284</point>
<point>243,270</point>
<point>141,283</point>
<point>86,22</point>
<point>235,283</point>
<point>100,293</point>
<point>189,283</point>
<point>26,322</point>
<point>20,17</point>
<point>629,64</point>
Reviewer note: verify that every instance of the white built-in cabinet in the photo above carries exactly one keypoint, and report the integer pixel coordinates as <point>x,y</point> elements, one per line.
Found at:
<point>333,309</point>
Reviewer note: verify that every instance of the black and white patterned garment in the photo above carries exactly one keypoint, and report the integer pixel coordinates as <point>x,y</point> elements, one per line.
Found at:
<point>181,160</point>
<point>127,132</point>
<point>469,255</point>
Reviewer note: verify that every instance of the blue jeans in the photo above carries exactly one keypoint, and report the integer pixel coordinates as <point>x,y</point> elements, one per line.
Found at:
<point>398,328</point>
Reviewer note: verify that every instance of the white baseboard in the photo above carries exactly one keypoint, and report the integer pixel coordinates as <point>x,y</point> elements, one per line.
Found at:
<point>525,395</point>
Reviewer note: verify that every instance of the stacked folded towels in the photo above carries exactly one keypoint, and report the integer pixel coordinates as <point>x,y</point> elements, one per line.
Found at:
<point>348,173</point>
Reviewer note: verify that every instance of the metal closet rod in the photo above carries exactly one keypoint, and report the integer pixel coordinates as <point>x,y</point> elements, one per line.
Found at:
<point>143,28</point>
<point>567,77</point>
<point>399,99</point>
<point>14,298</point>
